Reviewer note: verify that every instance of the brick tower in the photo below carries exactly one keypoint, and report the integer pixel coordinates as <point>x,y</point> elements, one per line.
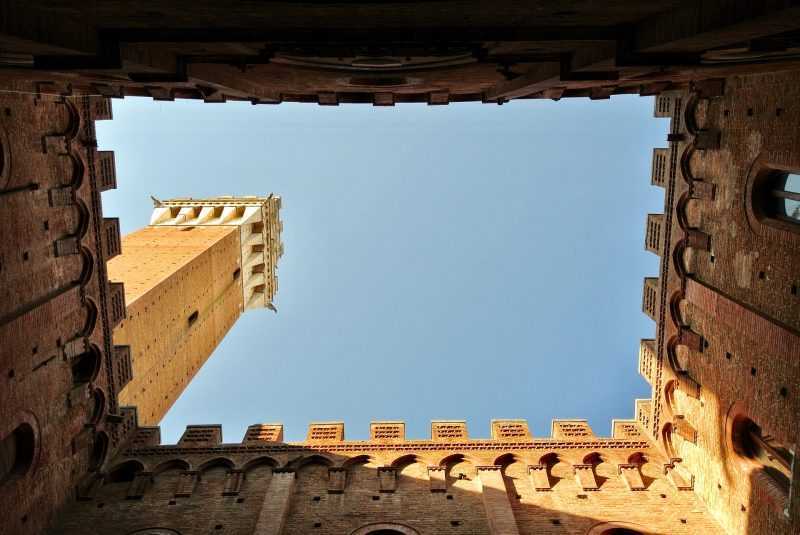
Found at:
<point>188,277</point>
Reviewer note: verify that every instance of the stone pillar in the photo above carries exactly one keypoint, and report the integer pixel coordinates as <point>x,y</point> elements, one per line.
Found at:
<point>275,509</point>
<point>499,514</point>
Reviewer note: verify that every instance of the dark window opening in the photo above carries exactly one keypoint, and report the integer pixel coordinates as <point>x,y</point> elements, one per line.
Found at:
<point>237,273</point>
<point>778,197</point>
<point>16,453</point>
<point>184,229</point>
<point>193,317</point>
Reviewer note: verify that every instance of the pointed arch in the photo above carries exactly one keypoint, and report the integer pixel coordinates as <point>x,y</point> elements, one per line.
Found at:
<point>549,459</point>
<point>263,460</point>
<point>172,464</point>
<point>217,461</point>
<point>124,471</point>
<point>457,458</point>
<point>405,460</point>
<point>300,462</point>
<point>506,459</point>
<point>358,459</point>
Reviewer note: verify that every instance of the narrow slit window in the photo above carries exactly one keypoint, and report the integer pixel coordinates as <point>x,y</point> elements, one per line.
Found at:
<point>193,317</point>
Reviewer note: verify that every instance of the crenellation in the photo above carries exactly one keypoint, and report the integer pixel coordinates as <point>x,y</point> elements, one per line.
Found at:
<point>571,430</point>
<point>448,430</point>
<point>201,436</point>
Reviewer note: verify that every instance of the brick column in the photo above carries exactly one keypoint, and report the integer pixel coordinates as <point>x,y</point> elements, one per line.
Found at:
<point>495,501</point>
<point>275,508</point>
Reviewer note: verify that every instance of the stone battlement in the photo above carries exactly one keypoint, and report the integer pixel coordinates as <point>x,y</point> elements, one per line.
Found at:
<point>392,434</point>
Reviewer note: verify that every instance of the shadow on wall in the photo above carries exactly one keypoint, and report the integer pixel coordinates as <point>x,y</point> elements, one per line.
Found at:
<point>319,493</point>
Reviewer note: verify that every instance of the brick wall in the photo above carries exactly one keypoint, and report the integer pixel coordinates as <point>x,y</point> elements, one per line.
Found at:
<point>56,400</point>
<point>341,486</point>
<point>170,273</point>
<point>728,326</point>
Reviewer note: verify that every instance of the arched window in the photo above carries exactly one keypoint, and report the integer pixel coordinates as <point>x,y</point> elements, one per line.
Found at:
<point>16,453</point>
<point>777,197</point>
<point>762,449</point>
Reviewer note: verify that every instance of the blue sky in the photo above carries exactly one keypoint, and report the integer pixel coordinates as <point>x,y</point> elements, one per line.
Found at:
<point>442,262</point>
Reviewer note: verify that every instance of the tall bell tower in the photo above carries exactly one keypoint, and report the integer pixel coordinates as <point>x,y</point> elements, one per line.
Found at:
<point>188,277</point>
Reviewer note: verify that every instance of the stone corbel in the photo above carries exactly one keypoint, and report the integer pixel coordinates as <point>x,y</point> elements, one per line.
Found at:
<point>233,483</point>
<point>584,473</point>
<point>387,479</point>
<point>436,476</point>
<point>186,484</point>
<point>682,428</point>
<point>631,475</point>
<point>540,477</point>
<point>678,476</point>
<point>337,479</point>
<point>139,485</point>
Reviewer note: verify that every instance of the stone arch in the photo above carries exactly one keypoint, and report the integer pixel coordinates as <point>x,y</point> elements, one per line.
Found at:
<point>98,406</point>
<point>154,531</point>
<point>118,479</point>
<point>617,528</point>
<point>99,451</point>
<point>412,471</point>
<point>86,366</point>
<point>18,452</point>
<point>447,460</point>
<point>211,477</point>
<point>506,459</point>
<point>460,472</point>
<point>167,479</point>
<point>383,528</point>
<point>353,461</point>
<point>215,462</point>
<point>669,396</point>
<point>260,461</point>
<point>515,477</point>
<point>258,474</point>
<point>666,440</point>
<point>300,462</point>
<point>405,460</point>
<point>172,464</point>
<point>124,471</point>
<point>87,267</point>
